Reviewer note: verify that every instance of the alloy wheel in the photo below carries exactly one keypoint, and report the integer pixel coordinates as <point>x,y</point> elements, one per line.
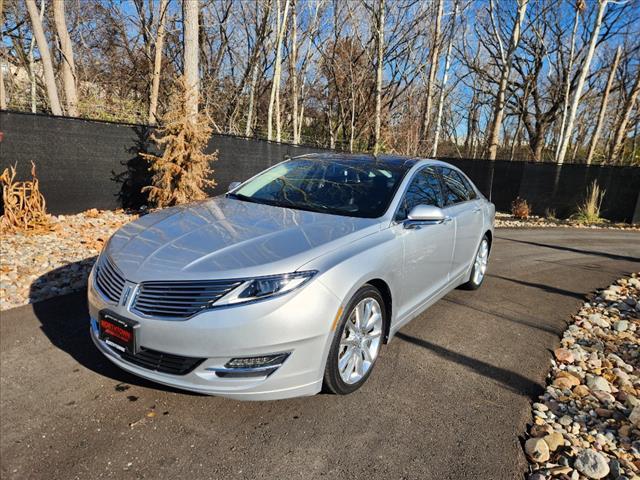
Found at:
<point>480,265</point>
<point>360,341</point>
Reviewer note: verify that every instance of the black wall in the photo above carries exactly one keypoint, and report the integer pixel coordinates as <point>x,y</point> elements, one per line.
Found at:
<point>85,164</point>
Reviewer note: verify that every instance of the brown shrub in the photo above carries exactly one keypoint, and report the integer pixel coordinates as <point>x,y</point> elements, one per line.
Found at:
<point>182,171</point>
<point>520,208</point>
<point>24,206</point>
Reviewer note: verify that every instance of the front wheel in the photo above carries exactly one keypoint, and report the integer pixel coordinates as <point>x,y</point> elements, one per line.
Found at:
<point>357,342</point>
<point>479,266</point>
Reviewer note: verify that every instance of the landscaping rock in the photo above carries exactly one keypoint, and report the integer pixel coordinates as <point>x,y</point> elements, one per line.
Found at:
<point>39,266</point>
<point>592,464</point>
<point>589,414</point>
<point>537,449</point>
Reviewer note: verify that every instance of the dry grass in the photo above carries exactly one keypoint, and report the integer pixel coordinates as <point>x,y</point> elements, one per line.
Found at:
<point>520,209</point>
<point>589,211</point>
<point>25,209</point>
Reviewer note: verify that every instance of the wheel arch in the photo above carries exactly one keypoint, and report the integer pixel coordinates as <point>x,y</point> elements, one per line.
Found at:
<point>489,236</point>
<point>385,291</point>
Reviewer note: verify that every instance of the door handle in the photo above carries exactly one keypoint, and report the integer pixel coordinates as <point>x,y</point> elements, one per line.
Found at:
<point>447,220</point>
<point>476,210</point>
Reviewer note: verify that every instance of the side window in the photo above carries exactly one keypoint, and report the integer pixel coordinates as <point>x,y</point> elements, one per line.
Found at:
<point>456,189</point>
<point>424,189</point>
<point>471,192</point>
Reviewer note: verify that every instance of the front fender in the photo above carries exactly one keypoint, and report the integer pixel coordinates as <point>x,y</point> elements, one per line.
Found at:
<point>377,256</point>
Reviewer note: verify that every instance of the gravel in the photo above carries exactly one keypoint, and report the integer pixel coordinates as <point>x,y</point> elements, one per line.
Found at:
<point>509,221</point>
<point>35,267</point>
<point>589,414</point>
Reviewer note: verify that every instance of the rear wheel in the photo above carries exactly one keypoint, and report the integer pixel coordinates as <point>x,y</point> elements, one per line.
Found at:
<point>479,266</point>
<point>357,342</point>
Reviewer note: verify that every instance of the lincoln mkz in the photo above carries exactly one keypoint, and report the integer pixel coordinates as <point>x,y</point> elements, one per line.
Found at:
<point>293,280</point>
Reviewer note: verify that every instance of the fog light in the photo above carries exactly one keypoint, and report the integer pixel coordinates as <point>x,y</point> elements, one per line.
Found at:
<point>257,362</point>
<point>243,367</point>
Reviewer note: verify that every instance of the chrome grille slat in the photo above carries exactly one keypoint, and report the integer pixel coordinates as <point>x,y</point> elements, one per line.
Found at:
<point>180,299</point>
<point>109,280</point>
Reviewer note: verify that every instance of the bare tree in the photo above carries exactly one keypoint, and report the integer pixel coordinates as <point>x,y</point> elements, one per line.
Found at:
<point>45,56</point>
<point>443,84</point>
<point>274,100</point>
<point>603,106</point>
<point>157,63</point>
<point>507,59</point>
<point>68,64</point>
<point>380,53</point>
<point>620,134</point>
<point>580,6</point>
<point>293,62</point>
<point>3,95</point>
<point>433,69</point>
<point>190,10</point>
<point>586,64</point>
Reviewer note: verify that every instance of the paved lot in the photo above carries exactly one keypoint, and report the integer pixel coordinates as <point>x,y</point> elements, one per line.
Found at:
<point>449,398</point>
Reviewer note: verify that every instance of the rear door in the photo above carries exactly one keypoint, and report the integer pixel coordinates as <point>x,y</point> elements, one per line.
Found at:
<point>428,249</point>
<point>463,205</point>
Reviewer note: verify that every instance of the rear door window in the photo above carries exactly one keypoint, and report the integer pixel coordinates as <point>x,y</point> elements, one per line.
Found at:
<point>424,189</point>
<point>457,188</point>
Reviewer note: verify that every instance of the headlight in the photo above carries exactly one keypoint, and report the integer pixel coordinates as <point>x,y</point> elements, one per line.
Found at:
<point>264,287</point>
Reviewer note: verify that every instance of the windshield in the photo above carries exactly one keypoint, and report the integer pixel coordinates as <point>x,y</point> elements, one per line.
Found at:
<point>356,188</point>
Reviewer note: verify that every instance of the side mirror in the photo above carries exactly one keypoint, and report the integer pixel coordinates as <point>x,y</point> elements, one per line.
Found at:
<point>234,185</point>
<point>421,215</point>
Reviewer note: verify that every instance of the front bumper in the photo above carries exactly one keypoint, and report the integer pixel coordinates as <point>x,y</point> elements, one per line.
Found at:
<point>299,323</point>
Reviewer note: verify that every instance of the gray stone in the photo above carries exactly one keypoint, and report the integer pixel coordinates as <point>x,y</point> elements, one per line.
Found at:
<point>595,382</point>
<point>621,325</point>
<point>599,320</point>
<point>592,464</point>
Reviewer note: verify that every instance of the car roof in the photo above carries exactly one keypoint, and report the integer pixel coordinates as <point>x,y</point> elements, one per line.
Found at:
<point>385,161</point>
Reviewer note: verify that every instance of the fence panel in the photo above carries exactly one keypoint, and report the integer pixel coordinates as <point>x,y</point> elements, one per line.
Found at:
<point>86,164</point>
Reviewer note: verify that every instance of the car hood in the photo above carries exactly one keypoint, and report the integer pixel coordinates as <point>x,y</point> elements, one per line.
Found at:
<point>228,238</point>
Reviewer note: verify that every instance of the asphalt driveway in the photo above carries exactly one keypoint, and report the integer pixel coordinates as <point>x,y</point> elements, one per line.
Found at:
<point>449,398</point>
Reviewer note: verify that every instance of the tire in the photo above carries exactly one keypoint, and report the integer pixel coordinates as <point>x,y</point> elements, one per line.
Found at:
<point>342,376</point>
<point>480,262</point>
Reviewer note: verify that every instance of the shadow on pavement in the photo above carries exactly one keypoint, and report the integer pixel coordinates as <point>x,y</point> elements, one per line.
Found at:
<point>542,286</point>
<point>65,322</point>
<point>612,256</point>
<point>511,380</point>
<point>533,322</point>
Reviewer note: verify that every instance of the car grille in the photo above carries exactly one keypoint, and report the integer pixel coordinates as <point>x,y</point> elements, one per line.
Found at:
<point>109,280</point>
<point>179,300</point>
<point>162,362</point>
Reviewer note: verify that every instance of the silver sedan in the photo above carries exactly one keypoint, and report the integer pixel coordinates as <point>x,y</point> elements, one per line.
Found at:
<point>291,281</point>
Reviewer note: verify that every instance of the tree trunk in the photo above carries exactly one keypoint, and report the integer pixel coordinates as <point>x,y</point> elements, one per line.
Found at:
<point>157,64</point>
<point>621,128</point>
<point>252,93</point>
<point>45,55</point>
<point>445,77</point>
<point>294,71</point>
<point>603,106</point>
<point>32,71</point>
<point>567,86</point>
<point>566,136</point>
<point>433,68</point>
<point>3,98</point>
<point>498,108</point>
<point>380,54</point>
<point>68,64</point>
<point>274,99</point>
<point>191,51</point>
